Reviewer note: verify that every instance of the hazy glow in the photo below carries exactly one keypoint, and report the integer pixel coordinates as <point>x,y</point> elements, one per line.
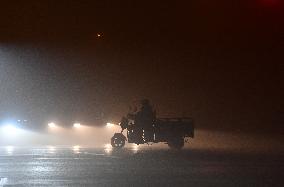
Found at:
<point>10,129</point>
<point>108,148</point>
<point>51,125</point>
<point>51,149</point>
<point>76,149</point>
<point>110,125</point>
<point>135,148</point>
<point>10,149</point>
<point>76,125</point>
<point>99,137</point>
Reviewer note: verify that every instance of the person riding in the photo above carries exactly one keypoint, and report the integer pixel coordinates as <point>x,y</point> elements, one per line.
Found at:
<point>143,121</point>
<point>145,118</point>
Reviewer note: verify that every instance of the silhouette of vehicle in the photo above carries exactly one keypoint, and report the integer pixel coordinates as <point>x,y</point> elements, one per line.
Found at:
<point>173,131</point>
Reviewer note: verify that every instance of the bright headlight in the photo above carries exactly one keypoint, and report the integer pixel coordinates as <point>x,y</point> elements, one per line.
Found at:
<point>77,125</point>
<point>110,125</point>
<point>9,129</point>
<point>51,125</point>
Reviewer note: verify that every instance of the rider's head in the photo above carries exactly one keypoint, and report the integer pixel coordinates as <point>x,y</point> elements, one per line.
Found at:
<point>145,102</point>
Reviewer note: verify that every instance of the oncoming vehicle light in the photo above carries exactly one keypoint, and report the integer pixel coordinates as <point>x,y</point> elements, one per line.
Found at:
<point>110,125</point>
<point>51,125</point>
<point>76,125</point>
<point>9,129</point>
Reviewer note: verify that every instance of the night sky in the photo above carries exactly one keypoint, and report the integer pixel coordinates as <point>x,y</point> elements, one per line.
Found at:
<point>220,62</point>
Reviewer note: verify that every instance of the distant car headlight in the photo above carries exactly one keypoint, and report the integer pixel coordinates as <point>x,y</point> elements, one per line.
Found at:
<point>51,125</point>
<point>76,125</point>
<point>110,125</point>
<point>10,129</point>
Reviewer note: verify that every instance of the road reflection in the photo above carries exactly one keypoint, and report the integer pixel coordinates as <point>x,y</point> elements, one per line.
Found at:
<point>133,148</point>
<point>108,149</point>
<point>76,149</point>
<point>3,181</point>
<point>10,150</point>
<point>51,149</point>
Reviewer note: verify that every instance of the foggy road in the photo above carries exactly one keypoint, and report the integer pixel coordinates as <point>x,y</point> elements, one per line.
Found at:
<point>132,166</point>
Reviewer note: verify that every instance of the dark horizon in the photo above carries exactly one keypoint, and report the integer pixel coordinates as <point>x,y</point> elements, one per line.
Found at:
<point>219,62</point>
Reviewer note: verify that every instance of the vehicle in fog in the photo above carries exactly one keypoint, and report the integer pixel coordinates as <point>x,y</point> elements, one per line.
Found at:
<point>173,131</point>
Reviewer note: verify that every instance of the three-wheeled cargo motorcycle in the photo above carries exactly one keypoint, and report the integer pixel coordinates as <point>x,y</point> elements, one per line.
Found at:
<point>172,131</point>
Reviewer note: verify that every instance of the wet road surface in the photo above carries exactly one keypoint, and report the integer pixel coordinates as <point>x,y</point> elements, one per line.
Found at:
<point>133,166</point>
